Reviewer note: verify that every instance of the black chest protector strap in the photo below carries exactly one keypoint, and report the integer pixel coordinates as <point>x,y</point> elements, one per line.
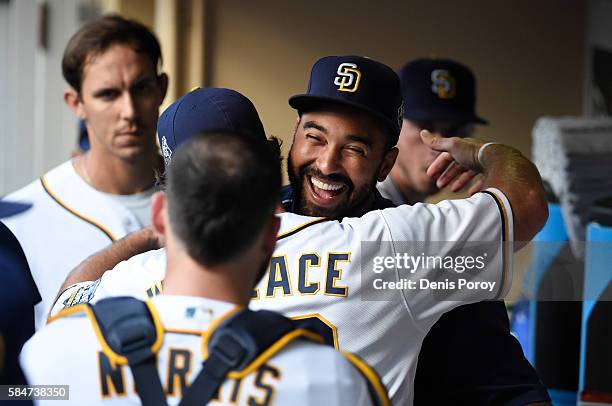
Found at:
<point>234,345</point>
<point>128,328</point>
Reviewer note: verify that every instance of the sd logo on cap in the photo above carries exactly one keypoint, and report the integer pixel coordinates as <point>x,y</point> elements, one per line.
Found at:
<point>439,90</point>
<point>354,81</point>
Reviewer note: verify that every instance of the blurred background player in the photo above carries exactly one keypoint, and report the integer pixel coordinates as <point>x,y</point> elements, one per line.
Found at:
<point>470,349</point>
<point>111,65</point>
<point>439,96</point>
<point>217,218</point>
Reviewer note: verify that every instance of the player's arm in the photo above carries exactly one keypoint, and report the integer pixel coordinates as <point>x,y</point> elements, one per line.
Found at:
<point>503,167</point>
<point>94,266</point>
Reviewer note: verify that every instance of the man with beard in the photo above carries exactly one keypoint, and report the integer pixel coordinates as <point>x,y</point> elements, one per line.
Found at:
<point>343,143</point>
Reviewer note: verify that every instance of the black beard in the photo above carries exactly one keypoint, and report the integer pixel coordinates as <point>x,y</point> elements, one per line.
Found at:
<point>352,207</point>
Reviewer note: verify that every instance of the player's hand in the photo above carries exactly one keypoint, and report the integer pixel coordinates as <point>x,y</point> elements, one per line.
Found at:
<point>457,163</point>
<point>474,179</point>
<point>149,238</point>
<point>477,184</point>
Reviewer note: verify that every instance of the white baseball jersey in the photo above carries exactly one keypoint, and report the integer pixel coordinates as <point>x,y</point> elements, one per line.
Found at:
<point>69,221</point>
<point>325,270</point>
<point>69,352</point>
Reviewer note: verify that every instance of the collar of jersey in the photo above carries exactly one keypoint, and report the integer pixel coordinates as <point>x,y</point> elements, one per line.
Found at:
<point>190,314</point>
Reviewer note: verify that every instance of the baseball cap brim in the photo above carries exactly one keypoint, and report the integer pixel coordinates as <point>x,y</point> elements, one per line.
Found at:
<point>8,209</point>
<point>306,102</point>
<point>433,115</point>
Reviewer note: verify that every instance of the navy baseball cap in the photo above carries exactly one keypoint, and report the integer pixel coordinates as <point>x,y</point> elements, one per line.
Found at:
<point>354,81</point>
<point>8,209</point>
<point>439,90</point>
<point>207,109</point>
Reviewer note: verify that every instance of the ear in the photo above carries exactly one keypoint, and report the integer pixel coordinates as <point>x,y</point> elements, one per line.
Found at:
<point>159,213</point>
<point>297,124</point>
<point>73,100</point>
<point>388,162</point>
<point>163,81</point>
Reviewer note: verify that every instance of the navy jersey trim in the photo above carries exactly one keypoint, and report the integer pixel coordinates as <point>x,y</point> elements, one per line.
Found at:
<point>300,228</point>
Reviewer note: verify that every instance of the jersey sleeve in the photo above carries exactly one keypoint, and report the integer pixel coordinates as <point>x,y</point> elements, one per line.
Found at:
<point>454,252</point>
<point>133,277</point>
<point>485,216</point>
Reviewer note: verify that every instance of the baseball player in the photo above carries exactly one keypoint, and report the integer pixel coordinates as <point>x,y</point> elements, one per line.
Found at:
<point>484,364</point>
<point>18,295</point>
<point>317,269</point>
<point>111,65</point>
<point>216,251</point>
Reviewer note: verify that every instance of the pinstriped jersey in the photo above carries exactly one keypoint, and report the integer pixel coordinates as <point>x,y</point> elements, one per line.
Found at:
<point>352,276</point>
<point>69,352</point>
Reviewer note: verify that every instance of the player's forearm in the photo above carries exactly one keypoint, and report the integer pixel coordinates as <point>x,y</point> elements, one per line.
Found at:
<point>506,169</point>
<point>94,266</point>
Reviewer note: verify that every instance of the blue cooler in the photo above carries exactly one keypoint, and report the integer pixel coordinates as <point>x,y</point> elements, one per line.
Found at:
<point>548,329</point>
<point>595,385</point>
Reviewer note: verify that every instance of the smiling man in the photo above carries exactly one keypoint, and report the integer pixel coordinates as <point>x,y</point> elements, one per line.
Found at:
<point>111,65</point>
<point>344,139</point>
<point>344,143</point>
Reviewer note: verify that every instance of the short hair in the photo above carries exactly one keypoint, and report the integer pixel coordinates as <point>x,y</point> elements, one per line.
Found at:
<point>222,189</point>
<point>97,36</point>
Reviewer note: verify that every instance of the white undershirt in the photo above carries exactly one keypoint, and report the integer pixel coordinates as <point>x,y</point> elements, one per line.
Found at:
<point>138,204</point>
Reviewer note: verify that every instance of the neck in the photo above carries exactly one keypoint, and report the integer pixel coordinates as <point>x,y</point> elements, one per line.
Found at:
<point>364,207</point>
<point>110,174</point>
<point>410,195</point>
<point>228,283</point>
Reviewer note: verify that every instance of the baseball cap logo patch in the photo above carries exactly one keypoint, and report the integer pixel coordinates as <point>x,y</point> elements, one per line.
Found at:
<point>348,77</point>
<point>443,84</point>
<point>166,151</point>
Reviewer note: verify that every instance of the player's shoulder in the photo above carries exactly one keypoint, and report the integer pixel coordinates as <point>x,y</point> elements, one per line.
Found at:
<point>148,266</point>
<point>370,225</point>
<point>292,223</point>
<point>58,349</point>
<point>28,193</point>
<point>318,361</point>
<point>149,257</point>
<point>477,204</point>
<point>60,334</point>
<point>42,203</point>
<point>33,190</point>
<point>323,370</point>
